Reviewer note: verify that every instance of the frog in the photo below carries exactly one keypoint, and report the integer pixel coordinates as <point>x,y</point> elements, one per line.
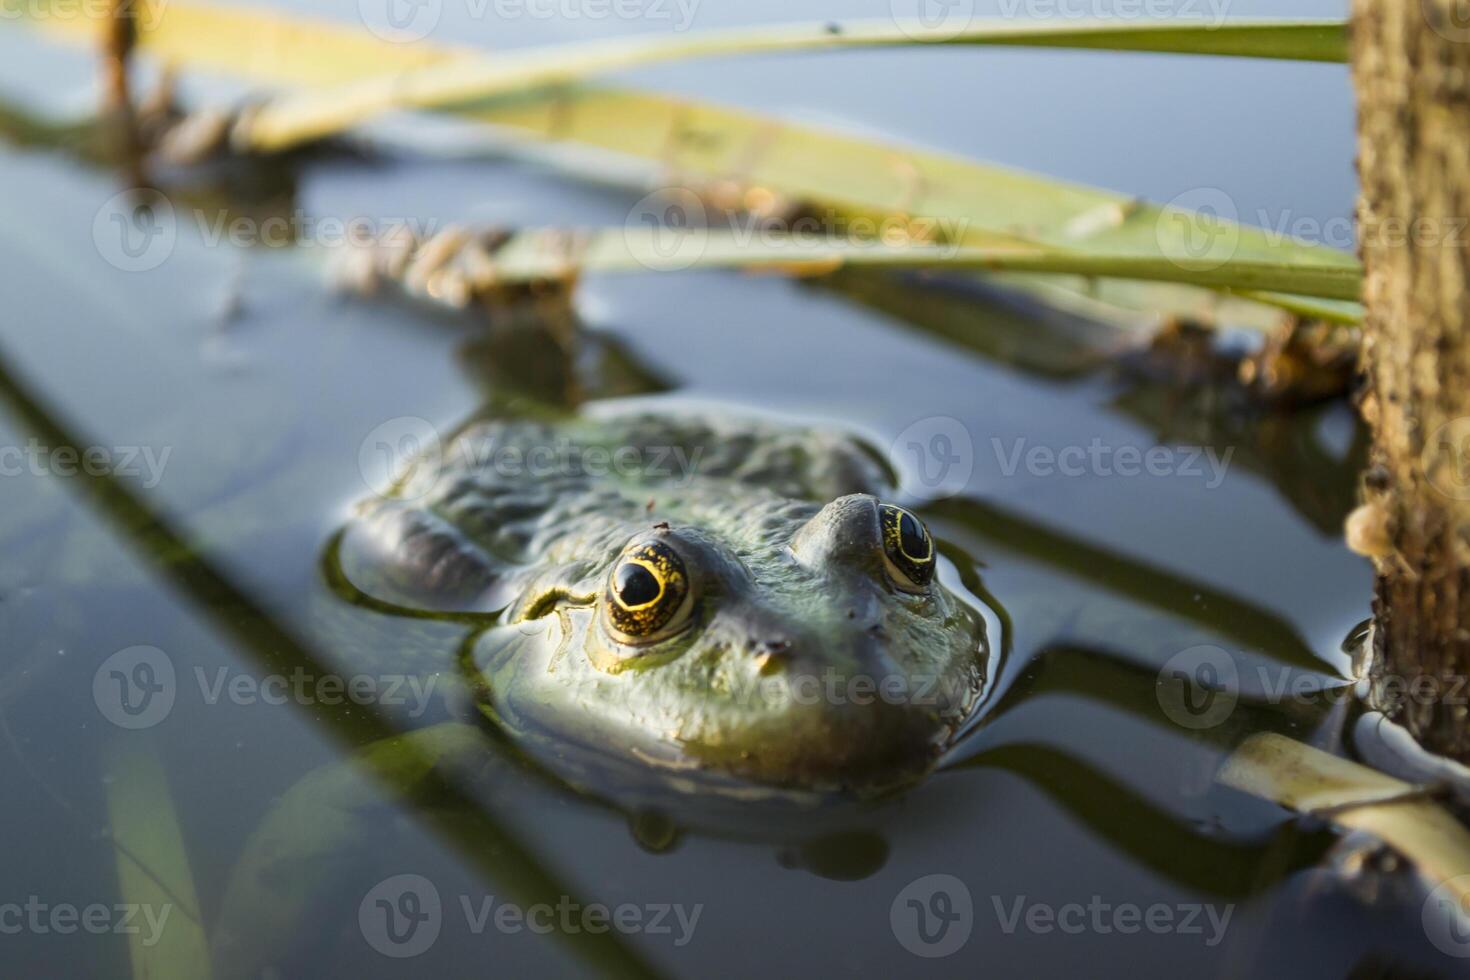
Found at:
<point>727,600</point>
<point>703,621</point>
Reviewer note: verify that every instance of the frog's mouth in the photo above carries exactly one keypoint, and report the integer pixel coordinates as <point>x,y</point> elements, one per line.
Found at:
<point>841,714</point>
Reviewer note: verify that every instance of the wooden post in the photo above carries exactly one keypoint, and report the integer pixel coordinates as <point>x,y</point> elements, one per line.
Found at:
<point>1411,72</point>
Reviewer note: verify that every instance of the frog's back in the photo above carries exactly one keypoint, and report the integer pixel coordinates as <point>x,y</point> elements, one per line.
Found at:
<point>464,524</point>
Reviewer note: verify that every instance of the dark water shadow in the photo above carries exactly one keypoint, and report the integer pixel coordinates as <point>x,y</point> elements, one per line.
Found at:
<point>1279,443</point>
<point>1180,850</point>
<point>483,841</point>
<point>1217,610</point>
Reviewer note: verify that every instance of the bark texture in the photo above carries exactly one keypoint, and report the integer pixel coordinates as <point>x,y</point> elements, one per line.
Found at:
<point>1411,71</point>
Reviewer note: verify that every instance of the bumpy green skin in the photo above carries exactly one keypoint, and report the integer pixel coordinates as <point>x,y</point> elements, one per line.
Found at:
<point>802,663</point>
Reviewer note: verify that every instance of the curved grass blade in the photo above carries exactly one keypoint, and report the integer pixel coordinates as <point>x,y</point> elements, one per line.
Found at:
<point>317,113</point>
<point>526,259</point>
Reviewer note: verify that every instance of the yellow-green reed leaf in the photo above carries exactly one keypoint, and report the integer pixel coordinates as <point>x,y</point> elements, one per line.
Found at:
<point>1338,311</point>
<point>1311,781</point>
<point>850,177</point>
<point>314,114</point>
<point>550,254</point>
<point>272,48</point>
<point>153,864</point>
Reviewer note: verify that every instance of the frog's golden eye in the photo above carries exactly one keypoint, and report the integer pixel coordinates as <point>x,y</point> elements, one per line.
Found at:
<point>647,596</point>
<point>908,550</point>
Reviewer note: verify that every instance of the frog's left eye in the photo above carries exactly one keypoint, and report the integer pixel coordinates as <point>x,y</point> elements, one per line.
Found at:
<point>908,550</point>
<point>647,597</point>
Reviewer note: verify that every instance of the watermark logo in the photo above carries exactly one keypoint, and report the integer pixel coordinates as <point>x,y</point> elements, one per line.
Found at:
<point>939,20</point>
<point>1446,917</point>
<point>400,456</point>
<point>135,231</point>
<point>400,21</point>
<point>1446,459</point>
<point>135,688</point>
<point>936,457</point>
<point>932,916</point>
<point>401,916</point>
<point>1198,688</point>
<point>138,687</point>
<point>668,230</point>
<point>1198,229</point>
<point>1450,19</point>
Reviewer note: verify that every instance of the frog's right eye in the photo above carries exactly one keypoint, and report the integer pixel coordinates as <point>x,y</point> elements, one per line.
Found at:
<point>908,550</point>
<point>648,595</point>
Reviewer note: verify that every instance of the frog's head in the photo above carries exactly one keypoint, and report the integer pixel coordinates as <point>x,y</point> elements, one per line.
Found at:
<point>789,644</point>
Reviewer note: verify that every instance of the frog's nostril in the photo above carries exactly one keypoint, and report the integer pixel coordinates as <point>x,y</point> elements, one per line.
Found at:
<point>771,654</point>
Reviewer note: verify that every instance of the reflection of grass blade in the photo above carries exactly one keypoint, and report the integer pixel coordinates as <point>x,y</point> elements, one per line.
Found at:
<point>1176,848</point>
<point>1283,447</point>
<point>1258,629</point>
<point>1032,337</point>
<point>153,864</point>
<point>1133,689</point>
<point>314,114</point>
<point>254,631</point>
<point>850,176</point>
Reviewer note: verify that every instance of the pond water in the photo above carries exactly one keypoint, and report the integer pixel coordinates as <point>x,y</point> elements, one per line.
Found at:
<point>1077,827</point>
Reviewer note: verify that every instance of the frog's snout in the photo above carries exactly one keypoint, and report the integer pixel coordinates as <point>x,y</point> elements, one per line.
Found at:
<point>842,535</point>
<point>839,706</point>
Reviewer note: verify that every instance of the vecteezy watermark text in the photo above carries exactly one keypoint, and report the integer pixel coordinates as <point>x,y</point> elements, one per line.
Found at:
<point>1102,460</point>
<point>944,19</point>
<point>38,459</point>
<point>407,21</point>
<point>1203,228</point>
<point>933,917</point>
<point>42,918</point>
<point>1199,688</point>
<point>1211,13</point>
<point>145,13</point>
<point>137,688</point>
<point>138,230</point>
<point>1100,917</point>
<point>403,916</point>
<point>406,457</point>
<point>672,228</point>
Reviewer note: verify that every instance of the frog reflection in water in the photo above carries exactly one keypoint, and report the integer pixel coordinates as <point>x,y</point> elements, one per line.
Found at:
<point>695,595</point>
